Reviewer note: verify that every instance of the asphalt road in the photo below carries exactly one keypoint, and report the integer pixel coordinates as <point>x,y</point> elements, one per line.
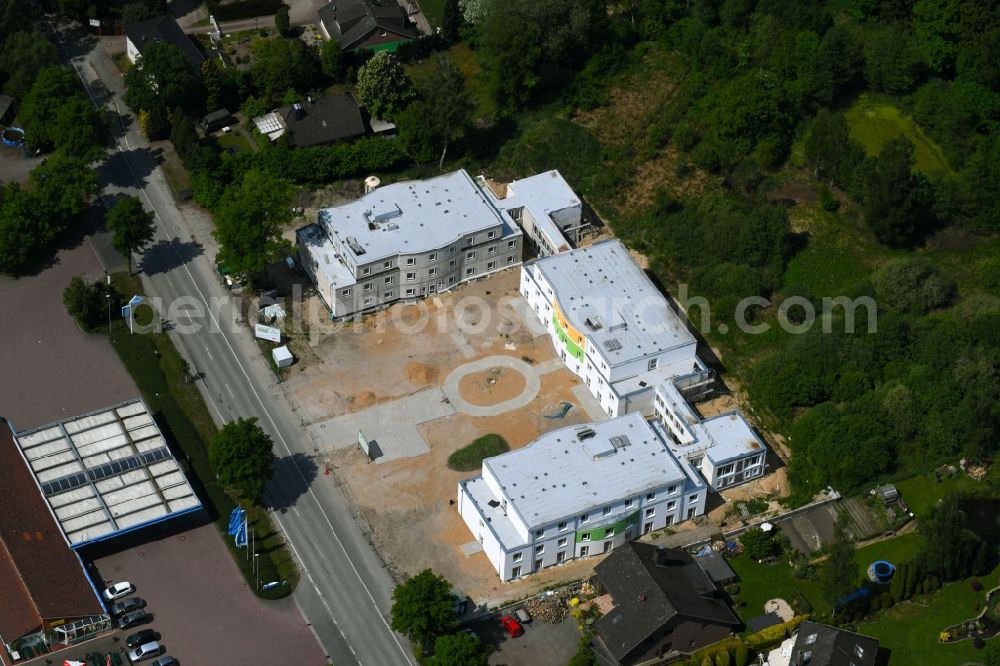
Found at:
<point>345,593</point>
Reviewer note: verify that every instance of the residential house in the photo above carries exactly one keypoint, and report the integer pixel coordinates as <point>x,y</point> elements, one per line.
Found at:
<point>405,241</point>
<point>610,324</point>
<point>160,29</point>
<point>319,122</point>
<point>822,645</point>
<point>379,25</point>
<point>665,607</point>
<point>576,492</point>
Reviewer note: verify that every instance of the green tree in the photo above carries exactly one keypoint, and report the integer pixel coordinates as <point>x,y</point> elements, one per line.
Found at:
<point>980,196</point>
<point>140,10</point>
<point>838,575</point>
<point>280,64</point>
<point>332,60</point>
<point>912,285</point>
<point>707,661</point>
<point>757,544</point>
<point>511,54</point>
<point>451,20</point>
<point>242,458</point>
<point>839,63</point>
<point>248,222</point>
<point>462,649</point>
<point>163,77</point>
<point>383,86</point>
<point>423,607</point>
<point>949,547</point>
<point>892,61</point>
<point>22,57</point>
<point>474,11</point>
<point>133,227</point>
<point>440,114</point>
<point>936,26</point>
<point>24,233</point>
<point>211,82</point>
<point>56,116</point>
<point>897,200</point>
<point>64,185</point>
<point>741,656</point>
<point>281,21</point>
<point>88,303</point>
<point>722,658</point>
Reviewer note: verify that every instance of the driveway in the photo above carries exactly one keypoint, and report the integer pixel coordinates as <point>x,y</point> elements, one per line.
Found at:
<point>540,644</point>
<point>204,611</point>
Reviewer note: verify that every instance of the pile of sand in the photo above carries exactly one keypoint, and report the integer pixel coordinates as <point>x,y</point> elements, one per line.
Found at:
<point>420,373</point>
<point>363,399</point>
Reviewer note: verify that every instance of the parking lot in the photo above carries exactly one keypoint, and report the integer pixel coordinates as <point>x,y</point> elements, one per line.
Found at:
<point>204,612</point>
<point>540,644</point>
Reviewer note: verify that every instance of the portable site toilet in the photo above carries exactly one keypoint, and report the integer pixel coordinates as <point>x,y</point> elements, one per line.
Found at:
<point>282,357</point>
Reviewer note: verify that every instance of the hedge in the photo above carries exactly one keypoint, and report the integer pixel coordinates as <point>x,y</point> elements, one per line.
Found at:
<point>711,651</point>
<point>771,636</point>
<point>319,165</point>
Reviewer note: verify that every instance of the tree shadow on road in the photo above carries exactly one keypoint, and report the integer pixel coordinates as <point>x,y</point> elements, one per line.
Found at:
<point>128,168</point>
<point>292,477</point>
<point>164,256</point>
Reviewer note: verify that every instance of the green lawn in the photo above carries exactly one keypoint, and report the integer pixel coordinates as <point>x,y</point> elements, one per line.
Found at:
<point>873,121</point>
<point>234,140</point>
<point>895,551</point>
<point>921,493</point>
<point>475,81</point>
<point>433,10</point>
<point>911,630</point>
<point>160,371</point>
<point>470,458</point>
<point>761,582</point>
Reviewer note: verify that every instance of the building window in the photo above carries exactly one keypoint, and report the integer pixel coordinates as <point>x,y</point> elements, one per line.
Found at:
<point>561,543</point>
<point>539,534</point>
<point>511,244</point>
<point>562,526</point>
<point>469,256</point>
<point>517,557</point>
<point>671,504</point>
<point>650,496</point>
<point>516,573</point>
<point>451,249</point>
<point>387,265</point>
<point>432,256</point>
<point>411,261</point>
<point>609,532</point>
<point>671,489</point>
<point>652,364</point>
<point>471,270</point>
<point>560,557</point>
<point>492,249</point>
<point>584,518</point>
<point>650,513</point>
<point>585,536</point>
<point>368,301</point>
<point>491,235</point>
<point>606,511</point>
<point>410,292</point>
<point>410,277</point>
<point>491,265</point>
<point>628,504</point>
<point>451,279</point>
<point>367,270</point>
<point>368,286</point>
<point>539,549</point>
<point>388,294</point>
<point>451,264</point>
<point>388,280</point>
<point>346,292</point>
<point>693,499</point>
<point>432,272</point>
<point>859,651</point>
<point>584,551</point>
<point>510,262</point>
<point>470,240</point>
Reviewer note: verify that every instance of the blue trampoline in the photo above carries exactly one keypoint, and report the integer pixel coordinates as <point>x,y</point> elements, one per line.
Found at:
<point>13,137</point>
<point>880,571</point>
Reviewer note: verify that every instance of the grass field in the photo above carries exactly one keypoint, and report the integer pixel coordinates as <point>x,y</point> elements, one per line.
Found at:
<point>234,140</point>
<point>475,81</point>
<point>470,458</point>
<point>433,10</point>
<point>911,629</point>
<point>160,373</point>
<point>895,551</point>
<point>873,122</point>
<point>762,582</point>
<point>921,493</point>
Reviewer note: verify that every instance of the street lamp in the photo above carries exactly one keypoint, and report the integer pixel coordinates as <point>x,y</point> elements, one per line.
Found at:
<point>256,568</point>
<point>107,297</point>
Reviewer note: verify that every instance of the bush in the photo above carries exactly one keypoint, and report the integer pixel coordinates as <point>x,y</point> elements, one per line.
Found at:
<point>89,303</point>
<point>975,585</point>
<point>741,656</point>
<point>978,643</point>
<point>876,604</point>
<point>470,458</point>
<point>757,544</point>
<point>912,286</point>
<point>826,200</point>
<point>886,600</point>
<point>926,585</point>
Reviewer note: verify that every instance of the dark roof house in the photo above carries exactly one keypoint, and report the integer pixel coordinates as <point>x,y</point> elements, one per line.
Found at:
<point>823,645</point>
<point>323,121</point>
<point>41,578</point>
<point>664,604</point>
<point>375,24</point>
<point>715,565</point>
<point>160,29</point>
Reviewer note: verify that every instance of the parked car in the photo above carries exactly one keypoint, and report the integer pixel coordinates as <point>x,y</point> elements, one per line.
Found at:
<point>140,638</point>
<point>511,626</point>
<point>522,615</point>
<point>145,651</point>
<point>165,660</point>
<point>119,590</point>
<point>126,605</point>
<point>131,618</point>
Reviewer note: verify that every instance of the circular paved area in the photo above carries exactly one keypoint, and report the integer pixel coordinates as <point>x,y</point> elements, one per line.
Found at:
<point>532,384</point>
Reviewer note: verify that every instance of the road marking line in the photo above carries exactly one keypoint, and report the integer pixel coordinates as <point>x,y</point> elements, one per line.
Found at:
<point>212,358</point>
<point>230,390</point>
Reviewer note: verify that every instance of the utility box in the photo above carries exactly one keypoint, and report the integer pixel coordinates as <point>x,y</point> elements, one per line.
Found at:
<point>282,357</point>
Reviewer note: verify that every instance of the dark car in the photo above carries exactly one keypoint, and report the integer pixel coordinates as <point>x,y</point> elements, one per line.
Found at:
<point>131,618</point>
<point>165,660</point>
<point>141,638</point>
<point>126,605</point>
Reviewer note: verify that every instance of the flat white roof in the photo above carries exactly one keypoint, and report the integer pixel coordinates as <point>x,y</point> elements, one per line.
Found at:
<point>106,472</point>
<point>607,297</point>
<point>560,474</point>
<point>543,194</point>
<point>724,437</point>
<point>314,240</point>
<point>412,217</point>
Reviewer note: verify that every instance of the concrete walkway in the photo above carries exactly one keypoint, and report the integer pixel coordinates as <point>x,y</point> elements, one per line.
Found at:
<point>532,385</point>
